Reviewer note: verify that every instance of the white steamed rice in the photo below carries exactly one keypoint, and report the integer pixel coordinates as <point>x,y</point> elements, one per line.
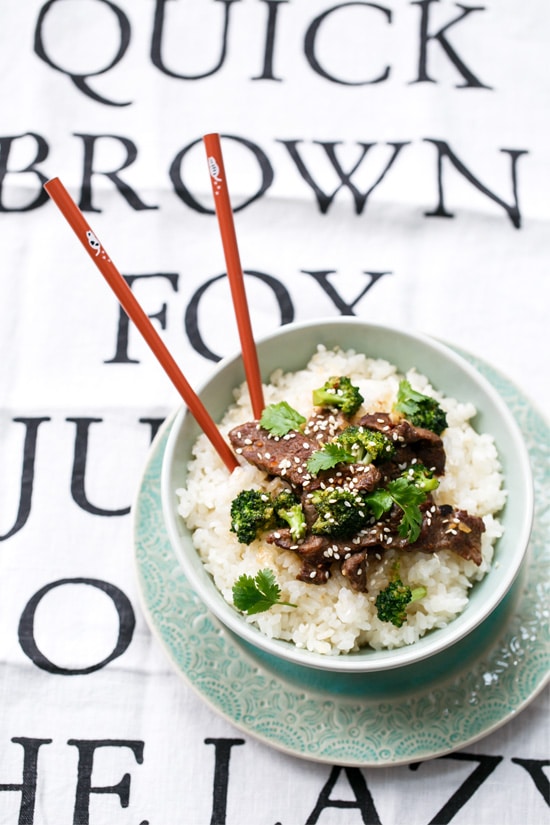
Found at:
<point>332,618</point>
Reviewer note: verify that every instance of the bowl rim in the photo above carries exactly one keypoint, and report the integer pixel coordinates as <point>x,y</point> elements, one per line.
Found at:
<point>367,659</point>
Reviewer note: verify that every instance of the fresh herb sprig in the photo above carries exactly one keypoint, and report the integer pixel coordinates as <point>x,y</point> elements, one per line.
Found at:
<point>279,419</point>
<point>408,497</point>
<point>327,458</point>
<point>258,594</point>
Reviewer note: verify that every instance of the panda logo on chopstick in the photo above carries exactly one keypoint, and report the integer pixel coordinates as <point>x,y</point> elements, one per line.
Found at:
<point>94,243</point>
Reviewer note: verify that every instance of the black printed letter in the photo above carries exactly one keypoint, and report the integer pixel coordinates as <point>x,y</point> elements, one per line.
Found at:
<point>121,355</point>
<point>80,80</point>
<point>323,199</point>
<point>183,192</point>
<point>126,191</point>
<point>78,476</point>
<point>363,797</point>
<point>30,772</point>
<point>470,78</point>
<point>321,277</point>
<point>126,619</point>
<point>156,45</point>
<point>534,768</point>
<point>27,473</point>
<point>41,154</point>
<point>444,150</point>
<point>86,750</point>
<point>311,36</point>
<point>221,777</point>
<point>192,313</point>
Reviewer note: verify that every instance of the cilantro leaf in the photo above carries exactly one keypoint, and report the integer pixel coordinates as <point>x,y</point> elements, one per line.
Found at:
<point>331,455</point>
<point>408,497</point>
<point>281,418</point>
<point>255,595</point>
<point>380,501</point>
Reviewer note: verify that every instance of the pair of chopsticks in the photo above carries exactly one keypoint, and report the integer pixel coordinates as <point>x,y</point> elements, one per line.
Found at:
<point>224,213</point>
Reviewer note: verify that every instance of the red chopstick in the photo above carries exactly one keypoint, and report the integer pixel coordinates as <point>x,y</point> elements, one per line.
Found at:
<point>224,214</point>
<point>75,218</point>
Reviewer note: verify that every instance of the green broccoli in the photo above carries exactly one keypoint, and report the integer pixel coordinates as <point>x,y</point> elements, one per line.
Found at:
<point>340,512</point>
<point>392,602</point>
<point>353,445</point>
<point>421,410</point>
<point>288,508</point>
<point>338,392</point>
<point>251,512</point>
<point>366,445</point>
<point>423,478</point>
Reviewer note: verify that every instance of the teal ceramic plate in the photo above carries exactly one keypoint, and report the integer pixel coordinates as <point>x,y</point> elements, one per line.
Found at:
<point>394,717</point>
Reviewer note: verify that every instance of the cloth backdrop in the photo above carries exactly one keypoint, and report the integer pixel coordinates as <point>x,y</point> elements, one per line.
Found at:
<point>386,160</point>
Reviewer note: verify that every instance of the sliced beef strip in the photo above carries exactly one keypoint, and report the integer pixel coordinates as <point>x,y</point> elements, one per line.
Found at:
<point>443,528</point>
<point>354,569</point>
<point>284,456</point>
<point>312,551</point>
<point>314,574</point>
<point>448,528</point>
<point>357,477</point>
<point>410,442</point>
<point>287,457</point>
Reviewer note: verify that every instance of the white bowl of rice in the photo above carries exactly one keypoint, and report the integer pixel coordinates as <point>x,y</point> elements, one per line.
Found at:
<point>332,625</point>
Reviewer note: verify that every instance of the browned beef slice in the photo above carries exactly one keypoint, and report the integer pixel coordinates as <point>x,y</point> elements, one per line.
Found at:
<point>314,574</point>
<point>283,456</point>
<point>354,569</point>
<point>382,422</point>
<point>443,528</point>
<point>446,528</point>
<point>360,477</point>
<point>410,442</point>
<point>312,551</point>
<point>424,445</point>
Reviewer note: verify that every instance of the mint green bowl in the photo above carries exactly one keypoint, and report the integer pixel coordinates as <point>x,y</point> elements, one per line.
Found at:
<point>290,348</point>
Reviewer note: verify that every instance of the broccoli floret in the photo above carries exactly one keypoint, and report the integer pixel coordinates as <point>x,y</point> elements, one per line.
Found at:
<point>289,509</point>
<point>364,445</point>
<point>338,392</point>
<point>353,445</point>
<point>340,512</point>
<point>392,602</point>
<point>251,512</point>
<point>423,478</point>
<point>421,410</point>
